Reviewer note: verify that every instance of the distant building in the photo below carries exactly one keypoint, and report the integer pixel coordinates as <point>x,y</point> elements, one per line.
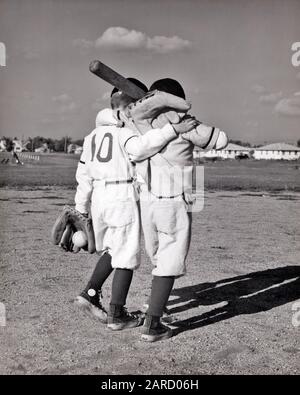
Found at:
<point>19,146</point>
<point>43,149</point>
<point>231,151</point>
<point>3,146</point>
<point>277,151</point>
<point>78,150</point>
<point>74,149</point>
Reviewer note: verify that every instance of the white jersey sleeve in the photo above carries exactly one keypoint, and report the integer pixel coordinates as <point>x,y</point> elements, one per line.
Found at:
<point>141,147</point>
<point>206,137</point>
<point>85,182</point>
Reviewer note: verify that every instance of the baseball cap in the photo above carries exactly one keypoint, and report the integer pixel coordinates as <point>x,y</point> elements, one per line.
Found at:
<point>168,85</point>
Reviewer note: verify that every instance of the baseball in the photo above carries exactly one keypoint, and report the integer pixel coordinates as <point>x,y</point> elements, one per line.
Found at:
<point>79,239</point>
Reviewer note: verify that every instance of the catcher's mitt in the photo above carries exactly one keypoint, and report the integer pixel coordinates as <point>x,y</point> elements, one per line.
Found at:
<point>69,222</point>
<point>155,109</point>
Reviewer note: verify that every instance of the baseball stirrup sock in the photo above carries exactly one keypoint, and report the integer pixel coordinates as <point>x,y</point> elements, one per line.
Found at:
<point>101,273</point>
<point>120,286</point>
<point>160,293</point>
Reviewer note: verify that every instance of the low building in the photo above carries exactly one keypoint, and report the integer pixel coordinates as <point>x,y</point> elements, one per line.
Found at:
<point>3,146</point>
<point>43,149</point>
<point>19,146</point>
<point>277,151</point>
<point>78,150</point>
<point>231,151</point>
<point>74,149</point>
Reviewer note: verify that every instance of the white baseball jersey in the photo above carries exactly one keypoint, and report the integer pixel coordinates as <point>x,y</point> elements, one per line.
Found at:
<point>108,152</point>
<point>170,172</point>
<point>105,176</point>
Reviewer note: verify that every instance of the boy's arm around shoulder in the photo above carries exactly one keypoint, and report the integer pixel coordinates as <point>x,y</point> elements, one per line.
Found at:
<point>140,147</point>
<point>207,137</point>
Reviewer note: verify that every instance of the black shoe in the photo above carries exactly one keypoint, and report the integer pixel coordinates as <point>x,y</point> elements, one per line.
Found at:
<point>153,330</point>
<point>92,306</point>
<point>119,318</point>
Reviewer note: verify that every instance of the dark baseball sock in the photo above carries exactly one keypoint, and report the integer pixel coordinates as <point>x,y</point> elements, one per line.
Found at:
<point>101,273</point>
<point>160,293</point>
<point>120,286</point>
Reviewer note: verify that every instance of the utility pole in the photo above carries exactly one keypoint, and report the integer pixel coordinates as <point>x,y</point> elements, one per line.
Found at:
<point>66,143</point>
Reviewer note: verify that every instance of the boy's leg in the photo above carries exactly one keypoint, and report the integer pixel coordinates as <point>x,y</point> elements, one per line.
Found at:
<point>160,292</point>
<point>124,235</point>
<point>101,272</point>
<point>120,286</point>
<point>149,228</point>
<point>118,317</point>
<point>173,226</point>
<point>89,299</point>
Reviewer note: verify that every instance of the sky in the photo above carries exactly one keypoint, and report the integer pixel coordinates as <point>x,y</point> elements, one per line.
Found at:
<point>233,58</point>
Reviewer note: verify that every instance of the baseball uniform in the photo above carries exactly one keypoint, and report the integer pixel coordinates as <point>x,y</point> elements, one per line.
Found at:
<point>164,207</point>
<point>106,177</point>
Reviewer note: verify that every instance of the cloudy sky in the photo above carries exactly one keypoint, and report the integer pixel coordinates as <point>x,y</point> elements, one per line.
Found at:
<point>233,58</point>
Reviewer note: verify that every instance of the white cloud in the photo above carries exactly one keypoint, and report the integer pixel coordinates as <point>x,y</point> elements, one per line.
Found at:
<point>120,38</point>
<point>63,98</point>
<point>68,107</point>
<point>258,89</point>
<point>289,106</point>
<point>162,44</point>
<point>270,97</point>
<point>82,43</point>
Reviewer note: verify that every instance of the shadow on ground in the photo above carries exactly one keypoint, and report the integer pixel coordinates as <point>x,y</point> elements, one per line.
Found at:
<point>247,294</point>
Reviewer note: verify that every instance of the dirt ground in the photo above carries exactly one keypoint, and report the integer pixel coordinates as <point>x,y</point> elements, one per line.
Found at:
<point>232,313</point>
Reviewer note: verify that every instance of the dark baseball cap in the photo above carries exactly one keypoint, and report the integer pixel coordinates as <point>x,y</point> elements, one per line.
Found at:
<point>168,85</point>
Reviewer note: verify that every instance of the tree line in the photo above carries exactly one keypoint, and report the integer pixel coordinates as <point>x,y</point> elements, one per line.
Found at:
<point>57,145</point>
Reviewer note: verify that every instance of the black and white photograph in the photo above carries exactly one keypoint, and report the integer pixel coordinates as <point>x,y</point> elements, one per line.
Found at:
<point>149,190</point>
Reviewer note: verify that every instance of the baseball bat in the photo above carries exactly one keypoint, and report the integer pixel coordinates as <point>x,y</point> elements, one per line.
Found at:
<point>117,80</point>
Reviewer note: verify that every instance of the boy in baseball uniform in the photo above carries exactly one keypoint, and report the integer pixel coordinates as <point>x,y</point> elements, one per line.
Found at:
<point>164,203</point>
<point>106,179</point>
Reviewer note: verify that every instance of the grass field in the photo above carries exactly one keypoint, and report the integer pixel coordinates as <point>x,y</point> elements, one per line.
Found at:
<point>251,175</point>
<point>232,312</point>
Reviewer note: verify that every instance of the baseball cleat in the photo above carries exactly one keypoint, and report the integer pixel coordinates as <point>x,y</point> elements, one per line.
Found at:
<point>124,320</point>
<point>92,307</point>
<point>153,330</point>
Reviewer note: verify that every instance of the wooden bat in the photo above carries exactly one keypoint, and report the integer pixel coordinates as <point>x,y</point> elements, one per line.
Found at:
<point>115,79</point>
